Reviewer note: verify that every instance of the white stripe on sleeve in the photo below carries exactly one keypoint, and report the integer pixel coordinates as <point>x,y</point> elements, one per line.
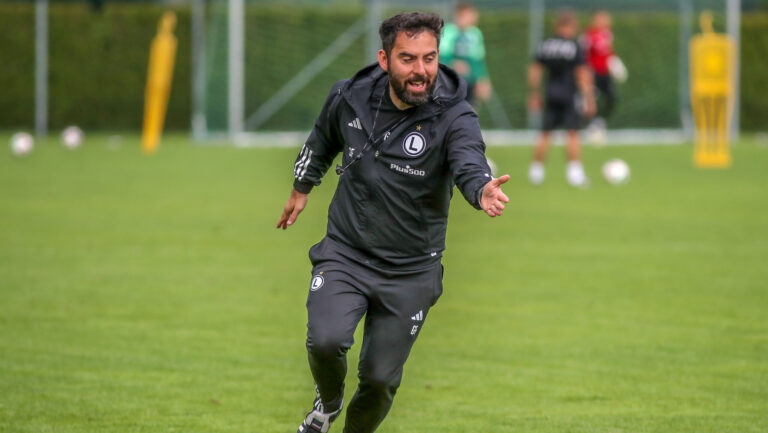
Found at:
<point>303,155</point>
<point>306,165</point>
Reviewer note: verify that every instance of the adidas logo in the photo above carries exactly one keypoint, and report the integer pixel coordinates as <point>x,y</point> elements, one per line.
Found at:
<point>418,316</point>
<point>355,123</point>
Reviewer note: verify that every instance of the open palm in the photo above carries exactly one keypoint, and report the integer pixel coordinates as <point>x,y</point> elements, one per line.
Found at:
<point>493,198</point>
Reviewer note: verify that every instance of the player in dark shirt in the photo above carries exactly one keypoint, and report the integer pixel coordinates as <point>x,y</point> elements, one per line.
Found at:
<point>568,96</point>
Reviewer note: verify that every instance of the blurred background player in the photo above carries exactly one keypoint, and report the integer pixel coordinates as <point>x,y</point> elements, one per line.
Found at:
<point>462,48</point>
<point>567,76</point>
<point>605,65</point>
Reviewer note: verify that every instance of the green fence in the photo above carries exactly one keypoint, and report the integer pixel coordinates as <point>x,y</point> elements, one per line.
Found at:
<point>98,63</point>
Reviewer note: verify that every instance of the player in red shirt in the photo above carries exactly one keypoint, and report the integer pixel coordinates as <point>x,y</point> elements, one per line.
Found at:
<point>606,66</point>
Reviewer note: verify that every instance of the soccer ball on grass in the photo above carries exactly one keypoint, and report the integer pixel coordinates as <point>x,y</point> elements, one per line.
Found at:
<point>616,172</point>
<point>22,143</point>
<point>72,137</point>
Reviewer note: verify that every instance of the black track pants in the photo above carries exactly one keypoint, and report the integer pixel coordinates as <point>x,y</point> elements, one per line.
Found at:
<point>607,95</point>
<point>395,305</point>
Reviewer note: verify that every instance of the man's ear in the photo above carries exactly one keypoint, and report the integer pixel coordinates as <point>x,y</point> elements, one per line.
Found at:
<point>382,56</point>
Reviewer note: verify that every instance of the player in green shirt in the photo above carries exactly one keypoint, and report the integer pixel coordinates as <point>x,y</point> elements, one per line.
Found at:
<point>462,48</point>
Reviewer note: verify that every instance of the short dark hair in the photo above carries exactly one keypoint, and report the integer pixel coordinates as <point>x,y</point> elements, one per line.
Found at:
<point>412,23</point>
<point>566,16</point>
<point>463,6</point>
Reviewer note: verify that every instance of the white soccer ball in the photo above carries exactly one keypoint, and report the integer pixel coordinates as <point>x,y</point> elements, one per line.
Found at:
<point>616,172</point>
<point>22,143</point>
<point>72,137</point>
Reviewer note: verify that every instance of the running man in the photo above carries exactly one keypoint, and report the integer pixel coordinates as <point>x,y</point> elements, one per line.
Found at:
<point>407,136</point>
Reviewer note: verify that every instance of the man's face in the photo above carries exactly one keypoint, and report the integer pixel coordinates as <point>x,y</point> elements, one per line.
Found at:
<point>602,20</point>
<point>412,66</point>
<point>567,29</point>
<point>466,18</point>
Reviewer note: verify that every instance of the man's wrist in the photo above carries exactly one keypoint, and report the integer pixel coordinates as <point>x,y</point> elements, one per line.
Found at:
<point>479,196</point>
<point>302,187</point>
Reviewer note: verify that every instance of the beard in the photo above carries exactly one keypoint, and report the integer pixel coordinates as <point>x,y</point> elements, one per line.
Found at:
<point>400,86</point>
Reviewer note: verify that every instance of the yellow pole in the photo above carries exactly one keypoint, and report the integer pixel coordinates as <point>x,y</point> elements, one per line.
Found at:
<point>161,58</point>
<point>712,66</point>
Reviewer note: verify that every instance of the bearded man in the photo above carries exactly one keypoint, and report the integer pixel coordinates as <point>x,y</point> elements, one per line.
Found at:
<point>407,136</point>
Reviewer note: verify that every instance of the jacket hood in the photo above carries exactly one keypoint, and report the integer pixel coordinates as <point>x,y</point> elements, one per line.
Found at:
<point>369,84</point>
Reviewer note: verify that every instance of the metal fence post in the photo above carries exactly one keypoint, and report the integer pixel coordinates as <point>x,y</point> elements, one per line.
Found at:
<point>41,68</point>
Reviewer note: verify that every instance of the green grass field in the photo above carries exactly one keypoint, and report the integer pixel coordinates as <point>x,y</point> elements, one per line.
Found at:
<point>154,295</point>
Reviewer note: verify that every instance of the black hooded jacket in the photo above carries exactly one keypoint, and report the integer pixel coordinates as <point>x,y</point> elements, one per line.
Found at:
<point>391,204</point>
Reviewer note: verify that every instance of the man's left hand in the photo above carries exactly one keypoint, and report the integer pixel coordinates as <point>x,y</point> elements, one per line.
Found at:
<point>493,198</point>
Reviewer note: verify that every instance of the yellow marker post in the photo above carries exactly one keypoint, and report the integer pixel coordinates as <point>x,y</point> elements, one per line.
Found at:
<point>712,68</point>
<point>161,58</point>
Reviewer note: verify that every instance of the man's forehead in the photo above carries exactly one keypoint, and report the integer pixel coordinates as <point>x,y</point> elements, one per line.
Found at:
<point>422,42</point>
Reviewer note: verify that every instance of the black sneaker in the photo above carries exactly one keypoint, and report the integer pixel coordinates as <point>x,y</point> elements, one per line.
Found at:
<point>317,421</point>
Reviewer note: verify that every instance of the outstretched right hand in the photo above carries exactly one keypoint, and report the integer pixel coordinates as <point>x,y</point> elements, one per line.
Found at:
<point>296,203</point>
<point>493,198</point>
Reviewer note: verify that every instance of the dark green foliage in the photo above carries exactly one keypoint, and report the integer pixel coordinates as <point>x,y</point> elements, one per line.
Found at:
<point>17,56</point>
<point>98,63</point>
<point>648,44</point>
<point>754,71</point>
<point>506,41</point>
<point>99,66</point>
